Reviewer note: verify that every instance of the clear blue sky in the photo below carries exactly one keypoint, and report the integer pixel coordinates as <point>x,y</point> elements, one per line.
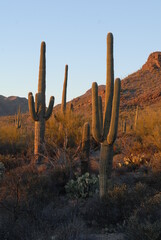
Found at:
<point>75,34</point>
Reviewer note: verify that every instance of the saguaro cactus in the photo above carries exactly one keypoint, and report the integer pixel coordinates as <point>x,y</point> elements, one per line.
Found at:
<point>64,95</point>
<point>85,148</point>
<point>38,110</point>
<point>18,119</point>
<point>104,130</point>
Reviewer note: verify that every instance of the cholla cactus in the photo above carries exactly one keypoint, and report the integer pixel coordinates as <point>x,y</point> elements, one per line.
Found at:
<point>64,95</point>
<point>38,110</point>
<point>85,148</point>
<point>104,130</point>
<point>2,170</point>
<point>18,119</point>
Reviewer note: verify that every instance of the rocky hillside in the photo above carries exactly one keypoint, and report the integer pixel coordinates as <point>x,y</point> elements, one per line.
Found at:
<point>142,88</point>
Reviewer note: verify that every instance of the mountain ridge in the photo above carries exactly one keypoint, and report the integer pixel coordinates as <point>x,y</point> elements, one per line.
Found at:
<point>141,88</point>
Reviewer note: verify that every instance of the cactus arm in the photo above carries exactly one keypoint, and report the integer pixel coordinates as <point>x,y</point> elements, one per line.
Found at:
<point>36,103</point>
<point>50,108</point>
<point>100,113</point>
<point>63,105</point>
<point>32,107</point>
<point>95,114</point>
<point>115,113</point>
<point>109,85</point>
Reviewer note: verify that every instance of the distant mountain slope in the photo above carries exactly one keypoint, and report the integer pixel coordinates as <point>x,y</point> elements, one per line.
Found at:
<point>142,88</point>
<point>10,105</point>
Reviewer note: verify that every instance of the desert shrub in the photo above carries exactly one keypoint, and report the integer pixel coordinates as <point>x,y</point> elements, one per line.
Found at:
<point>146,222</point>
<point>10,161</point>
<point>83,187</point>
<point>13,140</point>
<point>65,129</point>
<point>143,230</point>
<point>71,230</point>
<point>119,204</point>
<point>155,162</point>
<point>149,127</point>
<point>25,190</point>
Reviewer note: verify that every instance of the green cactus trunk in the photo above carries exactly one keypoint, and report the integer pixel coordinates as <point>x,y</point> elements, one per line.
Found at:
<point>39,139</point>
<point>38,110</point>
<point>105,167</point>
<point>106,133</point>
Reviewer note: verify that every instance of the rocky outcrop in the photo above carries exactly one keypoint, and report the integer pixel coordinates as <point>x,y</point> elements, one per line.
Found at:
<point>153,63</point>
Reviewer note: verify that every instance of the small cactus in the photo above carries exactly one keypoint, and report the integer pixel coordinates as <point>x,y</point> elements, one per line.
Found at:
<point>64,95</point>
<point>18,119</point>
<point>104,130</point>
<point>38,110</point>
<point>85,148</point>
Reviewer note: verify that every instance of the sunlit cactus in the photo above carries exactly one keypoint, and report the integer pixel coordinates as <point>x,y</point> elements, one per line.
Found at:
<point>38,111</point>
<point>104,129</point>
<point>85,148</point>
<point>64,94</point>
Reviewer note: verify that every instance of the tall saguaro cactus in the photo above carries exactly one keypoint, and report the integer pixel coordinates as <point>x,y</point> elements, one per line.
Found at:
<point>64,95</point>
<point>38,110</point>
<point>104,129</point>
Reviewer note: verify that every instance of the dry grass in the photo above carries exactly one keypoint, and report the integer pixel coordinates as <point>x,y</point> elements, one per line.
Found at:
<point>149,127</point>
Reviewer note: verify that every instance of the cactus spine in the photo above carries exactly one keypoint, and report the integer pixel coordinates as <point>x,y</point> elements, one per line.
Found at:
<point>18,119</point>
<point>38,110</point>
<point>85,148</point>
<point>106,132</point>
<point>64,95</point>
